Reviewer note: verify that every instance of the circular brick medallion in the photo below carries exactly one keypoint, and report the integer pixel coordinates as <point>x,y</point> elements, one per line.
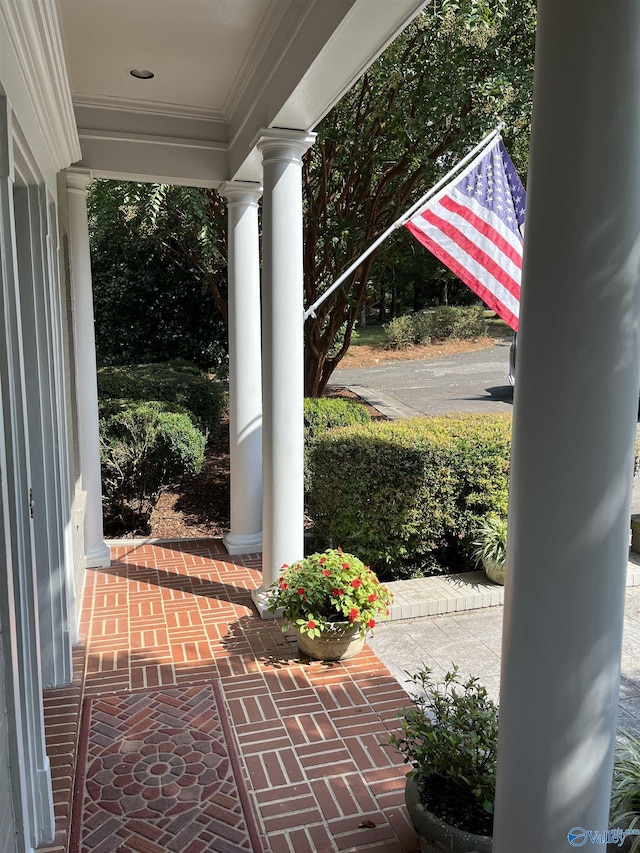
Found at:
<point>158,773</point>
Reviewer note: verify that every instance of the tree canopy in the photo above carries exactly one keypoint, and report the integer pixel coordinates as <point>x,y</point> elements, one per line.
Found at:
<point>159,273</point>
<point>458,69</point>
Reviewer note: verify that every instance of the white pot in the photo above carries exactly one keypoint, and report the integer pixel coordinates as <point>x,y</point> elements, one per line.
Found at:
<point>494,570</point>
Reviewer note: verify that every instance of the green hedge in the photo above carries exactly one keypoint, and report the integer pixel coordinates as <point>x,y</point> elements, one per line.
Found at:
<point>144,448</point>
<point>324,413</point>
<point>405,496</point>
<point>176,382</point>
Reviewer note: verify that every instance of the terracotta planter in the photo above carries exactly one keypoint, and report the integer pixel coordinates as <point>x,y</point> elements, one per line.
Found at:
<point>339,642</point>
<point>435,835</point>
<point>494,570</point>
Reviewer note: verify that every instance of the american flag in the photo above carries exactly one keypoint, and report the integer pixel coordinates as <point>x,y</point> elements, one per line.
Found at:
<point>475,225</point>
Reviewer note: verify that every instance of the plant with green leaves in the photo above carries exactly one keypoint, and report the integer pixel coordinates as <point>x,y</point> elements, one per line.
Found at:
<point>324,590</point>
<point>158,257</point>
<point>441,85</point>
<point>404,331</point>
<point>448,322</point>
<point>176,382</point>
<point>324,413</point>
<point>625,795</point>
<point>490,544</point>
<point>144,448</point>
<point>451,733</point>
<point>407,495</point>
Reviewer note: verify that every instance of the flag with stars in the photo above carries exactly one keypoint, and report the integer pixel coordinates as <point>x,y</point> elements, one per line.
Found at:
<point>475,226</point>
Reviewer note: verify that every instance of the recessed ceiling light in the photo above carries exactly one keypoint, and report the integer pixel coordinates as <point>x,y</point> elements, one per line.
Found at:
<point>142,73</point>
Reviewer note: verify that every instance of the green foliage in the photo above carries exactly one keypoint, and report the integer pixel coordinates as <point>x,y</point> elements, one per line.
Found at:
<point>455,71</point>
<point>625,796</point>
<point>490,543</point>
<point>405,332</point>
<point>324,589</point>
<point>439,324</point>
<point>144,448</point>
<point>177,382</point>
<point>452,731</point>
<point>159,273</point>
<point>338,340</point>
<point>463,323</point>
<point>325,413</point>
<point>408,495</point>
<point>159,252</point>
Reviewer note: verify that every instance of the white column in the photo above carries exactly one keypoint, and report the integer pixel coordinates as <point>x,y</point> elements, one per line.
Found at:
<point>576,403</point>
<point>245,393</point>
<point>282,336</point>
<point>96,551</point>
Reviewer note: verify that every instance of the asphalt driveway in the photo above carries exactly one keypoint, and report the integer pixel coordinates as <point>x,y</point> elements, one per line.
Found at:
<point>469,382</point>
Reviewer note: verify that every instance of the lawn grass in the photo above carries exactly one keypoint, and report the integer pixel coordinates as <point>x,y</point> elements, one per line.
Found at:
<point>497,328</point>
<point>372,333</point>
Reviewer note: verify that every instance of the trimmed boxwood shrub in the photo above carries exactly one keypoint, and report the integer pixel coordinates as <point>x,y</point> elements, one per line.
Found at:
<point>177,382</point>
<point>406,496</point>
<point>323,413</point>
<point>144,448</point>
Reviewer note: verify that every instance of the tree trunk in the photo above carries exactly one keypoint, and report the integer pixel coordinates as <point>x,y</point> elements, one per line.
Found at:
<point>394,294</point>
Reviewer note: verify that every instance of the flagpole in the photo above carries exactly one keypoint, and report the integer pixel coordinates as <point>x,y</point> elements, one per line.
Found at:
<point>311,311</point>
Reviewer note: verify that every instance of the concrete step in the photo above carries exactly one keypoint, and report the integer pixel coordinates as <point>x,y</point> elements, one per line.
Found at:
<point>466,591</point>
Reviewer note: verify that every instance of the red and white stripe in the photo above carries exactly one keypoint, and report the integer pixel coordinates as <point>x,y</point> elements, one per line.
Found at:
<point>477,246</point>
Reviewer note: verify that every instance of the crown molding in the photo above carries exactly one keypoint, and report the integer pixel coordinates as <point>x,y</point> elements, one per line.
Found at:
<point>152,107</point>
<point>33,31</point>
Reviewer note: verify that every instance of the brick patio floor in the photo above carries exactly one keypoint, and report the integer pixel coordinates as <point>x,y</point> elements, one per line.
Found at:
<point>309,734</point>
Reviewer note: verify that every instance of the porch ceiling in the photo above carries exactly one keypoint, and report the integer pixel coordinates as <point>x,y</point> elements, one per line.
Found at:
<point>223,70</point>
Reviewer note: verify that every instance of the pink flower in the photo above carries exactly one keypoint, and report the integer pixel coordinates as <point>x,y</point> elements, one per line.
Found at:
<point>311,624</point>
<point>326,572</point>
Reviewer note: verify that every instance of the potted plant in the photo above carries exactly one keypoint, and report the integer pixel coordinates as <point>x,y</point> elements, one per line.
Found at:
<point>449,736</point>
<point>490,547</point>
<point>331,599</point>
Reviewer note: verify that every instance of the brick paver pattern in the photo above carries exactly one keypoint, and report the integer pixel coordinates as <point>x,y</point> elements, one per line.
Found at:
<point>309,736</point>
